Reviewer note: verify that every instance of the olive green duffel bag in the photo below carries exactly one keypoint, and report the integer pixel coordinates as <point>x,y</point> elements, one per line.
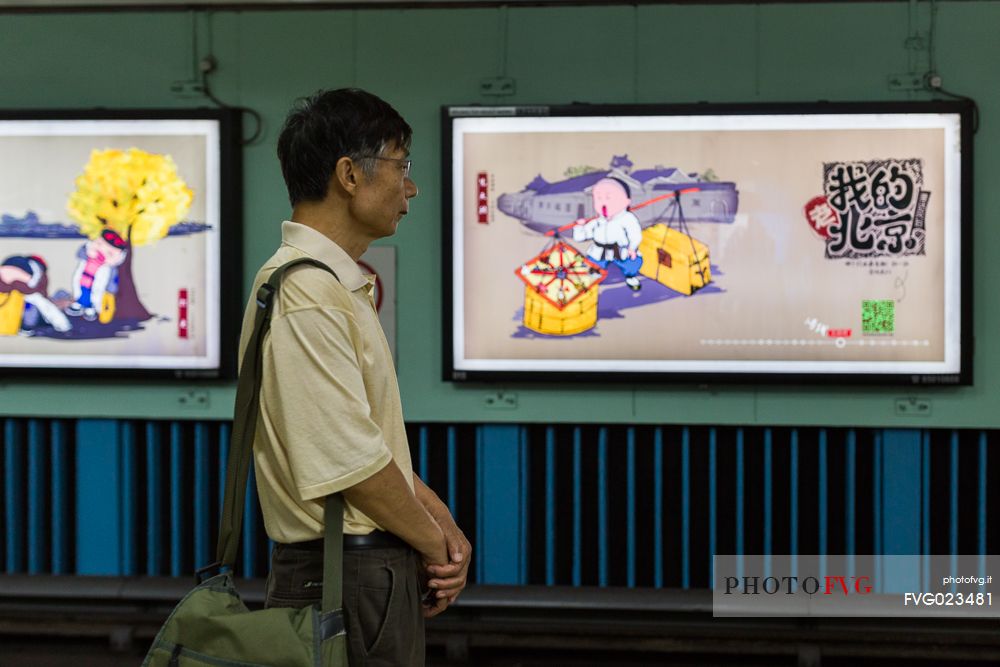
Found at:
<point>211,625</point>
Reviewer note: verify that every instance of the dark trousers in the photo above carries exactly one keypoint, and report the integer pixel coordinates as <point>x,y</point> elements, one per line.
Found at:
<point>382,611</point>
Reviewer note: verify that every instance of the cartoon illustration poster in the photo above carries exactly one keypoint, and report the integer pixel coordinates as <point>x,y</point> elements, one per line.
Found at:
<point>707,243</point>
<point>109,244</point>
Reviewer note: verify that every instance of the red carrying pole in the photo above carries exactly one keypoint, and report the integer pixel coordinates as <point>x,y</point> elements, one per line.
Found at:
<point>669,195</point>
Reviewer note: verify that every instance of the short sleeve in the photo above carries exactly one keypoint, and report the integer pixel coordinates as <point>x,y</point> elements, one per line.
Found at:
<point>317,409</point>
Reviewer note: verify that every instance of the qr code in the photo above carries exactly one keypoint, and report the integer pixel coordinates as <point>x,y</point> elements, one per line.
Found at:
<point>878,317</point>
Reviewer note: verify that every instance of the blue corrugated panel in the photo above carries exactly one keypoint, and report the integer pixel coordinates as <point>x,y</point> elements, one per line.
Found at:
<point>225,433</point>
<point>13,492</point>
<point>524,493</point>
<point>822,518</point>
<point>981,523</point>
<point>712,509</point>
<point>630,506</point>
<point>658,508</point>
<point>877,508</point>
<point>60,500</point>
<point>901,495</point>
<point>480,506</point>
<point>739,502</point>
<point>130,501</point>
<point>41,463</point>
<point>602,506</point>
<point>452,472</point>
<point>98,497</point>
<point>768,503</point>
<point>793,500</point>
<point>925,506</point>
<point>37,495</point>
<point>953,509</point>
<point>503,544</point>
<point>203,512</point>
<point>685,506</point>
<point>423,453</point>
<point>550,506</point>
<point>577,507</point>
<point>849,493</point>
<point>178,488</point>
<point>154,505</point>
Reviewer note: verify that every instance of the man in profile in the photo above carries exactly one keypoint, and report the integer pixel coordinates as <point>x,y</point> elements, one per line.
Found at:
<point>330,414</point>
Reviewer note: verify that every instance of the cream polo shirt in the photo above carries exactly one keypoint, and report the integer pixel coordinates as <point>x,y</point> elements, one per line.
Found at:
<point>330,414</point>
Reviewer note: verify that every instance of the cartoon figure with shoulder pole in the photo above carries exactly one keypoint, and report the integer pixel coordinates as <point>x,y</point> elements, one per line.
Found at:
<point>615,232</point>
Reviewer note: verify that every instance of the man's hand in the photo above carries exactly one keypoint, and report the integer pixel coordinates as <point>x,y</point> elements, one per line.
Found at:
<point>435,557</point>
<point>444,581</point>
<point>449,580</point>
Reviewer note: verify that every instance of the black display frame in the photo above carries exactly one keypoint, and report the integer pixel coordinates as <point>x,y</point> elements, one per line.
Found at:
<point>230,254</point>
<point>966,111</point>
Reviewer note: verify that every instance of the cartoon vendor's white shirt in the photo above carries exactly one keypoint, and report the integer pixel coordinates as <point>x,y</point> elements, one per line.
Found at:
<point>613,238</point>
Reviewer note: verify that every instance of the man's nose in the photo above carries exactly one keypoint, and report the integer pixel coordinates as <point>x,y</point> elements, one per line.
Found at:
<point>411,188</point>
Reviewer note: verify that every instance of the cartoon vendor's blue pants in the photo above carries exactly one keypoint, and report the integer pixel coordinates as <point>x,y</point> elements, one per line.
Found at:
<point>629,267</point>
<point>84,299</point>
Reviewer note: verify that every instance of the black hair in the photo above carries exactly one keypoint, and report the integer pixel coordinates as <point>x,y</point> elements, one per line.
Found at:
<point>113,239</point>
<point>24,263</point>
<point>329,125</point>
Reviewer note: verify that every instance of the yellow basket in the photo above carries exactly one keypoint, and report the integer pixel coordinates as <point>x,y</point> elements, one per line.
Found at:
<point>674,259</point>
<point>541,316</point>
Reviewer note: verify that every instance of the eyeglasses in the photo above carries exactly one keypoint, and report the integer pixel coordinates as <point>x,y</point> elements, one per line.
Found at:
<point>406,163</point>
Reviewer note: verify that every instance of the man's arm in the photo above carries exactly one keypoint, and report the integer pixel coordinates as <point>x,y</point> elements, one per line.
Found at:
<point>447,579</point>
<point>385,497</point>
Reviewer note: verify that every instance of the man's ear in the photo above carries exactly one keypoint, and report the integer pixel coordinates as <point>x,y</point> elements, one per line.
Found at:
<point>346,173</point>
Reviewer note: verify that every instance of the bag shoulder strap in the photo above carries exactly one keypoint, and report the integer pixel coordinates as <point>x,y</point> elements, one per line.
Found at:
<point>246,412</point>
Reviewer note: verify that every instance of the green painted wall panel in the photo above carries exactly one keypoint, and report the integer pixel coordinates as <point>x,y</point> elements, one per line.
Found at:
<point>421,59</point>
<point>586,55</point>
<point>87,60</point>
<point>695,54</point>
<point>824,52</point>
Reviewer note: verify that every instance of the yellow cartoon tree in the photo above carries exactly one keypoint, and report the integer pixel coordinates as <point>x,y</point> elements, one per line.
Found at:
<point>136,194</point>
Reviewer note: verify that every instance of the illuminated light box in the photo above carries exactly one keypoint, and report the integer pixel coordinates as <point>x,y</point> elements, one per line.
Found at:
<point>119,242</point>
<point>816,243</point>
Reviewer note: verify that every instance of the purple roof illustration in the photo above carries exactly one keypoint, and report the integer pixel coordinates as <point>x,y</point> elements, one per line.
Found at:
<point>542,205</point>
<point>621,162</point>
<point>575,184</point>
<point>30,226</point>
<point>537,183</point>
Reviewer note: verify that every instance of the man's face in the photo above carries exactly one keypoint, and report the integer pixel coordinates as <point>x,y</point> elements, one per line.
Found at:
<point>382,199</point>
<point>609,198</point>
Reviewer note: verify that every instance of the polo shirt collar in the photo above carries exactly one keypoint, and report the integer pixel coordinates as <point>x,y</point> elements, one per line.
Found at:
<point>313,243</point>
